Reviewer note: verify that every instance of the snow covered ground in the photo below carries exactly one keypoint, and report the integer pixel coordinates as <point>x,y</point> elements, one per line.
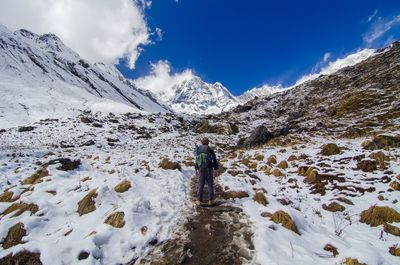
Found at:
<point>153,206</point>
<point>318,227</point>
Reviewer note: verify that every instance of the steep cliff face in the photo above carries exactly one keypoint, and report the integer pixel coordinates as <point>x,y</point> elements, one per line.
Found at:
<point>42,78</point>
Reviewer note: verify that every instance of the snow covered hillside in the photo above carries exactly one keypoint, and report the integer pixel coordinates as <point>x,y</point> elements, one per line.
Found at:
<point>42,78</point>
<point>259,92</point>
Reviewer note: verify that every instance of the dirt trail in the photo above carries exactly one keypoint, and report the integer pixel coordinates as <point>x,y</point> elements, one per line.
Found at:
<point>213,235</point>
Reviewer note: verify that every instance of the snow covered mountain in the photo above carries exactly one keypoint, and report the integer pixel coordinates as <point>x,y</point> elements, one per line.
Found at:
<point>259,92</point>
<point>42,78</point>
<point>188,93</point>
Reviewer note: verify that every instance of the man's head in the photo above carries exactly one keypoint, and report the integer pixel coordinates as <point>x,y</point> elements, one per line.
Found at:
<point>205,141</point>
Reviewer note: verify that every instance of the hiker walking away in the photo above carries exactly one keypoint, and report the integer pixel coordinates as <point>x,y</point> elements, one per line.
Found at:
<point>206,162</point>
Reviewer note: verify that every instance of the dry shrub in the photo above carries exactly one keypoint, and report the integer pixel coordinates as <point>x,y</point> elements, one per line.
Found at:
<point>7,196</point>
<point>391,229</point>
<point>36,177</point>
<point>330,149</point>
<point>123,186</point>
<point>332,249</point>
<point>87,204</point>
<point>394,250</point>
<point>334,207</point>
<point>20,208</point>
<point>283,164</point>
<point>351,261</point>
<point>24,257</point>
<point>232,194</point>
<point>116,219</point>
<point>169,165</point>
<point>260,198</point>
<point>377,215</point>
<point>14,235</point>
<point>283,218</point>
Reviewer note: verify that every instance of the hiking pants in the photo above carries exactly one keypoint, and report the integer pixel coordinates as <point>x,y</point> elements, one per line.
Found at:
<point>205,175</point>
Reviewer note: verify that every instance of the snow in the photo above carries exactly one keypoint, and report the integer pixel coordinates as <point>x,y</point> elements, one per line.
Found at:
<point>276,245</point>
<point>154,206</point>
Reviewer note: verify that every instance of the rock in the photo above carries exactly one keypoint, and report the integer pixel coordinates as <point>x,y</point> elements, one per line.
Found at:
<point>258,137</point>
<point>330,149</point>
<point>391,229</point>
<point>97,125</point>
<point>87,204</point>
<point>244,253</point>
<point>266,214</point>
<point>271,160</point>
<point>259,157</point>
<point>351,261</point>
<point>14,235</point>
<point>260,198</point>
<point>281,217</point>
<point>333,207</point>
<point>20,208</point>
<point>26,128</point>
<point>36,177</point>
<point>283,165</point>
<point>86,119</point>
<point>83,255</point>
<point>383,142</point>
<point>232,194</point>
<point>394,250</point>
<point>66,163</point>
<point>332,249</point>
<point>169,165</point>
<point>123,186</point>
<point>22,258</point>
<point>378,215</point>
<point>219,128</point>
<point>88,143</point>
<point>395,185</point>
<point>367,165</point>
<point>116,219</point>
<point>277,173</point>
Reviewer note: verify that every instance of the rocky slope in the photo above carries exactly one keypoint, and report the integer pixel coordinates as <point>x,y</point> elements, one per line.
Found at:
<point>42,78</point>
<point>259,92</point>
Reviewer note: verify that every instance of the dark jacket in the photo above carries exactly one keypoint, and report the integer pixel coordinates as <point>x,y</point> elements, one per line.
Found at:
<point>207,150</point>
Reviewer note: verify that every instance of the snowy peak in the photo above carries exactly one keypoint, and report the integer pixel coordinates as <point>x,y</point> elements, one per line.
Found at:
<point>40,77</point>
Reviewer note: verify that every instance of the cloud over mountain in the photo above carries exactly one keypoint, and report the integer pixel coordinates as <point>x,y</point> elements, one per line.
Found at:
<point>99,30</point>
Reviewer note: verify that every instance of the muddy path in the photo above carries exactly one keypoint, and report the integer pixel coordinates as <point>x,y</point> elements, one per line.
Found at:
<point>220,234</point>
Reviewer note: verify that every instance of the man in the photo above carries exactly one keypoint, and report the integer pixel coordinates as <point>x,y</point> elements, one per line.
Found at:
<point>206,162</point>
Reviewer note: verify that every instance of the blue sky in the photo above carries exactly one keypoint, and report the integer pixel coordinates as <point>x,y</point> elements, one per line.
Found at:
<point>244,44</point>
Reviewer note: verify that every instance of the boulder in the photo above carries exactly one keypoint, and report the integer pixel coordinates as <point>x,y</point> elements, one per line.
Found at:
<point>14,235</point>
<point>87,204</point>
<point>330,149</point>
<point>116,219</point>
<point>258,137</point>
<point>283,218</point>
<point>378,215</point>
<point>169,165</point>
<point>66,163</point>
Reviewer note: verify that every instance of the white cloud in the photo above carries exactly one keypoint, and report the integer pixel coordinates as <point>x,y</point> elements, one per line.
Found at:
<point>379,28</point>
<point>372,16</point>
<point>327,56</point>
<point>99,30</point>
<point>159,34</point>
<point>160,81</point>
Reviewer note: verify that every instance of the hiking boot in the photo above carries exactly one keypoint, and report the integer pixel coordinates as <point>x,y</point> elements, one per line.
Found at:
<point>210,202</point>
<point>197,202</point>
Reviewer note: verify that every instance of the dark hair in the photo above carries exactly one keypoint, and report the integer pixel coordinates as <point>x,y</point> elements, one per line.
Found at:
<point>205,141</point>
